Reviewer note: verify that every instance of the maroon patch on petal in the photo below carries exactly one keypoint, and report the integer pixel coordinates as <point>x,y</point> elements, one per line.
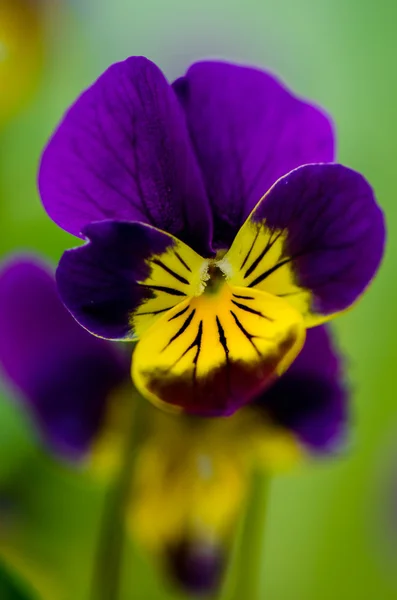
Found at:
<point>224,390</point>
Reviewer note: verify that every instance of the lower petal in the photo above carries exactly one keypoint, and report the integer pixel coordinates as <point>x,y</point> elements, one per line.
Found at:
<point>311,399</point>
<point>211,354</point>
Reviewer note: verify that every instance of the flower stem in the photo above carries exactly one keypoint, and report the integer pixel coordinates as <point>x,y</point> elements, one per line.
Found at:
<point>250,564</point>
<point>108,561</point>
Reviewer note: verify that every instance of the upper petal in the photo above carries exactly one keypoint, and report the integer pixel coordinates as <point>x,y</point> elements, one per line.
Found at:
<point>64,373</point>
<point>122,152</point>
<point>311,397</point>
<point>248,130</point>
<point>315,239</point>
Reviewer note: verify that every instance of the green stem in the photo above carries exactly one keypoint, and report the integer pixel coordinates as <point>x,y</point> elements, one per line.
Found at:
<point>249,582</point>
<point>108,561</point>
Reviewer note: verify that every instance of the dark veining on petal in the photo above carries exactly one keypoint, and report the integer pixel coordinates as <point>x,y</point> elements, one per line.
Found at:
<point>170,271</point>
<point>223,341</point>
<point>251,248</point>
<point>270,243</point>
<point>243,297</point>
<point>182,329</point>
<point>162,288</point>
<point>266,274</point>
<point>178,314</point>
<point>196,343</point>
<point>251,310</point>
<point>179,257</point>
<point>248,335</point>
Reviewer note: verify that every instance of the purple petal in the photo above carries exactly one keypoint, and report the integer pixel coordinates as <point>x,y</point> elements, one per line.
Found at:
<point>123,152</point>
<point>310,398</point>
<point>248,130</point>
<point>331,234</point>
<point>64,374</point>
<point>104,282</point>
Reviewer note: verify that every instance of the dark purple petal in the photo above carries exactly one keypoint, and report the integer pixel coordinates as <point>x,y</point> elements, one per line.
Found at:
<point>248,130</point>
<point>106,281</point>
<point>196,567</point>
<point>64,374</point>
<point>310,398</point>
<point>332,233</point>
<point>123,152</point>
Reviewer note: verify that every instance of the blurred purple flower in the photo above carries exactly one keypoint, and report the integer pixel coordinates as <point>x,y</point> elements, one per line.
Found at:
<point>63,374</point>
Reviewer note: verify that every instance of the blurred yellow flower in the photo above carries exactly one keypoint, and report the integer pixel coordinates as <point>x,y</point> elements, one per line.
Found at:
<point>192,477</point>
<point>21,53</point>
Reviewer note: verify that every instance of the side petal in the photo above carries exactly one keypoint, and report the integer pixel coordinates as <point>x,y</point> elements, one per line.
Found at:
<point>63,373</point>
<point>212,354</point>
<point>123,152</point>
<point>316,239</point>
<point>126,277</point>
<point>248,130</point>
<point>311,399</point>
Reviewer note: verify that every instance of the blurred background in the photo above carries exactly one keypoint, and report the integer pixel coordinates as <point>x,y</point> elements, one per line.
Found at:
<point>331,531</point>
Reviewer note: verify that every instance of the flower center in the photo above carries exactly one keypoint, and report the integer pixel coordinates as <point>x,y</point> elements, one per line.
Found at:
<point>216,279</point>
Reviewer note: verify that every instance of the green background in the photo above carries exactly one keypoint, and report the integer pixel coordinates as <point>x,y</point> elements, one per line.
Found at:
<point>328,532</point>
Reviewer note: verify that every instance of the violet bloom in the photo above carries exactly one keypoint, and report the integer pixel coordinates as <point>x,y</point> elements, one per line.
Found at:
<point>217,230</point>
<point>64,376</point>
<point>191,478</point>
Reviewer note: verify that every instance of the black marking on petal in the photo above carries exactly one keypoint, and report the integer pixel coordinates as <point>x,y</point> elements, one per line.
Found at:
<point>178,314</point>
<point>153,312</point>
<point>243,297</point>
<point>289,294</point>
<point>266,274</point>
<point>182,329</point>
<point>223,341</point>
<point>251,248</point>
<point>196,342</point>
<point>179,257</point>
<point>166,290</point>
<point>251,310</point>
<point>222,338</point>
<point>243,330</point>
<point>261,256</point>
<point>179,278</point>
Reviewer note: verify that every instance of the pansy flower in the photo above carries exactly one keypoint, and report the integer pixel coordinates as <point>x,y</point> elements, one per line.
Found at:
<point>192,475</point>
<point>217,228</point>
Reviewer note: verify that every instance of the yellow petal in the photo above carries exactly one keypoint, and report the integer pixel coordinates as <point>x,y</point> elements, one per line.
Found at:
<point>174,275</point>
<point>258,259</point>
<point>212,353</point>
